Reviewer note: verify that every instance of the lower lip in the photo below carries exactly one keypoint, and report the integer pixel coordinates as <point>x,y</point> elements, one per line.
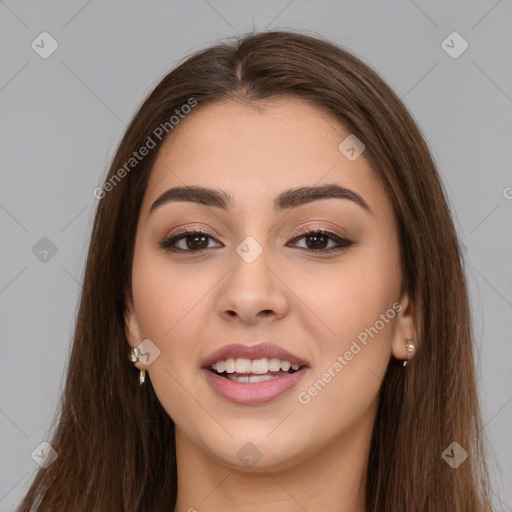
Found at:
<point>256,393</point>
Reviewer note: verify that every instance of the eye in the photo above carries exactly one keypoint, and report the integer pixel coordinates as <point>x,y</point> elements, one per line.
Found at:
<point>197,241</point>
<point>194,241</point>
<point>316,240</point>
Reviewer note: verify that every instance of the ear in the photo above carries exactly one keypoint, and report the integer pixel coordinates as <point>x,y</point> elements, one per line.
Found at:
<point>405,329</point>
<point>131,327</point>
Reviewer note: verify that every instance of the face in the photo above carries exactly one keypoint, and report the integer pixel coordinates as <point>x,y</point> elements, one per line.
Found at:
<point>315,275</point>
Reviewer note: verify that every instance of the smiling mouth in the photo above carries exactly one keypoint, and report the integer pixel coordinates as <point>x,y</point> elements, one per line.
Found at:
<point>253,381</point>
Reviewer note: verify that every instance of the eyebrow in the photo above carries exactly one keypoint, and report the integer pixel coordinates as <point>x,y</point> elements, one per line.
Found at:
<point>284,201</point>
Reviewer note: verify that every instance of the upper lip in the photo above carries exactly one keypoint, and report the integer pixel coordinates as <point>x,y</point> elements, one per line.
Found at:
<point>259,351</point>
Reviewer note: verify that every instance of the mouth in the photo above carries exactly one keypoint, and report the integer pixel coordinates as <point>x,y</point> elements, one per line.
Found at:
<point>253,375</point>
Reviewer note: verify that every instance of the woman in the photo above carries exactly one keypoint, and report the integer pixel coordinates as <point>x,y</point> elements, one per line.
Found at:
<point>274,310</point>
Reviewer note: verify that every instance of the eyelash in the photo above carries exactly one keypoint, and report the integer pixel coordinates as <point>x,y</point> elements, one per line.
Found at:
<point>344,243</point>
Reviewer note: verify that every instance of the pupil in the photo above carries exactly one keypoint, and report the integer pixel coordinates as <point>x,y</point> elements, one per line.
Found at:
<point>194,238</point>
<point>316,239</point>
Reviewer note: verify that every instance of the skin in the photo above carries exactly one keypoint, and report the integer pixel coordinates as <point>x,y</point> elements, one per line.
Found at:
<point>189,304</point>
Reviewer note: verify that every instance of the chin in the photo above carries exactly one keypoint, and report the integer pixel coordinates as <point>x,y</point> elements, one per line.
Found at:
<point>261,449</point>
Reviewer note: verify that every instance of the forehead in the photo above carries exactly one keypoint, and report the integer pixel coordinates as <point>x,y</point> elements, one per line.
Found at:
<point>255,152</point>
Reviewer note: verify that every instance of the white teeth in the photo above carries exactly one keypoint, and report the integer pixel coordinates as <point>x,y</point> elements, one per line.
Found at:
<point>254,366</point>
<point>274,365</point>
<point>230,365</point>
<point>285,366</point>
<point>260,366</point>
<point>248,379</point>
<point>242,365</point>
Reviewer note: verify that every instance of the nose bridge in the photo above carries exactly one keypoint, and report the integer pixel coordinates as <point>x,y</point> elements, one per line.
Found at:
<point>251,288</point>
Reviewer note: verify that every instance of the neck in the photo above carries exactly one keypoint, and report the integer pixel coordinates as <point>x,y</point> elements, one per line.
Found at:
<point>332,478</point>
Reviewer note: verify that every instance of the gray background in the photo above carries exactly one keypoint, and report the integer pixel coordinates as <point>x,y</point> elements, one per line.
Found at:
<point>63,116</point>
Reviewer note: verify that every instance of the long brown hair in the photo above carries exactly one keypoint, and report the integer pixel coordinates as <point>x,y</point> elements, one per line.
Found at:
<point>115,442</point>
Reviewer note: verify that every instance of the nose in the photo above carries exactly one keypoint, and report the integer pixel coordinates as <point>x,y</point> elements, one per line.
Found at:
<point>253,292</point>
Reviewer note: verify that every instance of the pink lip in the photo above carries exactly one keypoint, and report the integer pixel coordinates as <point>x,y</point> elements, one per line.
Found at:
<point>256,393</point>
<point>252,352</point>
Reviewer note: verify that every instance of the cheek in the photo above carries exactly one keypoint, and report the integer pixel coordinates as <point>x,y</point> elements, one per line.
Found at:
<point>166,296</point>
<point>343,386</point>
<point>169,303</point>
<point>348,297</point>
<point>357,305</point>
